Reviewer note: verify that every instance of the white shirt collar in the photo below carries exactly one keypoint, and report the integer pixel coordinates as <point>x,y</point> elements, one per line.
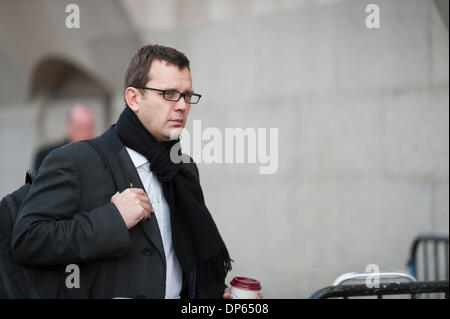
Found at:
<point>137,158</point>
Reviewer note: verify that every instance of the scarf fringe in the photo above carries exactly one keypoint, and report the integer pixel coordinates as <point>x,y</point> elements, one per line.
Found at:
<point>220,261</point>
<point>211,274</point>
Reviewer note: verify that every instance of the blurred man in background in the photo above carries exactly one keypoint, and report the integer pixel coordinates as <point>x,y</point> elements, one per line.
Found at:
<point>80,126</point>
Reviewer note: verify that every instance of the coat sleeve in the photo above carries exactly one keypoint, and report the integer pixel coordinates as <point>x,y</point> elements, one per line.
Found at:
<point>50,229</point>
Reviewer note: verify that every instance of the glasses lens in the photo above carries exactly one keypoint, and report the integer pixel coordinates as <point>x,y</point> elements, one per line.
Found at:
<point>191,98</point>
<point>172,95</point>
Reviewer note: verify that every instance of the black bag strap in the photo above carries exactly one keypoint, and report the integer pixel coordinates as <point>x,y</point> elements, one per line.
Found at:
<point>111,161</point>
<point>12,202</point>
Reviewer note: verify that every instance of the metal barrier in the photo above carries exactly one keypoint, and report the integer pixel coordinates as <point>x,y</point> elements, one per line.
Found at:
<point>380,275</point>
<point>423,267</point>
<point>405,288</point>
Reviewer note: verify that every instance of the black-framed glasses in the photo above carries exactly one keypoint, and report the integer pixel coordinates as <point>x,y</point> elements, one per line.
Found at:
<point>175,96</point>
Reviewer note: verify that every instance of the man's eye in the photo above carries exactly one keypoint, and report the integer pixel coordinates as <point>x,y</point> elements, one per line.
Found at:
<point>171,94</point>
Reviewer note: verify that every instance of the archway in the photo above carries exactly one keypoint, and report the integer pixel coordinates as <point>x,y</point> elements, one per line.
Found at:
<point>57,84</point>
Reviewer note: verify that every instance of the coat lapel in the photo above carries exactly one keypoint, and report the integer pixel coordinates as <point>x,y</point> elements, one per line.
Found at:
<point>149,227</point>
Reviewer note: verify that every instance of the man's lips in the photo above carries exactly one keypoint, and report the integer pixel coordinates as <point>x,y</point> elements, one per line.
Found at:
<point>176,122</point>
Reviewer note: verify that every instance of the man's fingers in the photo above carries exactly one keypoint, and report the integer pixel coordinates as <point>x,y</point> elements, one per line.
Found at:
<point>140,193</point>
<point>114,197</point>
<point>142,198</point>
<point>148,209</point>
<point>136,190</point>
<point>227,293</point>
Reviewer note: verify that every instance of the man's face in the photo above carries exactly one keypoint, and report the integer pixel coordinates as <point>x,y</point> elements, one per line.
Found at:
<point>81,124</point>
<point>165,119</point>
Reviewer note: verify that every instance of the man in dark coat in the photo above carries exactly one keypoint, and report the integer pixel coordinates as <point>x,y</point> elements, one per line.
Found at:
<point>154,239</point>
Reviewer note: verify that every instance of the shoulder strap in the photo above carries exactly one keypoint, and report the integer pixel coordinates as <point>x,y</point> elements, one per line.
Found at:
<point>111,160</point>
<point>15,199</point>
<point>14,202</point>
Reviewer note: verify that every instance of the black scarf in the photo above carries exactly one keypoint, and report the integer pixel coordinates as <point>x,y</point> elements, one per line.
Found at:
<point>196,240</point>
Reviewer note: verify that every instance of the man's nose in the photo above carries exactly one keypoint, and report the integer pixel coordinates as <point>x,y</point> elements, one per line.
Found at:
<point>181,105</point>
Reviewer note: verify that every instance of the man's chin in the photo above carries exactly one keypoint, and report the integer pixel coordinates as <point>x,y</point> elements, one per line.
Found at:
<point>175,133</point>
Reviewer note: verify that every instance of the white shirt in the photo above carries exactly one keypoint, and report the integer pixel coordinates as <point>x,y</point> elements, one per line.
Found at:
<point>174,276</point>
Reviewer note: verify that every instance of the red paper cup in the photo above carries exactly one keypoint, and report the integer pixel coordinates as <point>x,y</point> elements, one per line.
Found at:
<point>244,288</point>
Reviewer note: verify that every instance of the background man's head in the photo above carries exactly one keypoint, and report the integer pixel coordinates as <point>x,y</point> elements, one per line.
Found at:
<point>161,68</point>
<point>80,124</point>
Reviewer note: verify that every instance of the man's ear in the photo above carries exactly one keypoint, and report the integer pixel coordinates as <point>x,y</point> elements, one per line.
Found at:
<point>132,97</point>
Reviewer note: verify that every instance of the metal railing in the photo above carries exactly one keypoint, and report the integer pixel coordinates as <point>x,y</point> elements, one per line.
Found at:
<point>425,267</point>
<point>381,275</point>
<point>388,289</point>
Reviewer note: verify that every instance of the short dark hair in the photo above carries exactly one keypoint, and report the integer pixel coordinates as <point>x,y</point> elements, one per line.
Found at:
<point>137,71</point>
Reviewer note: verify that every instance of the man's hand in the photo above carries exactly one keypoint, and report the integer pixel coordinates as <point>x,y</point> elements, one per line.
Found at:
<point>227,294</point>
<point>133,205</point>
